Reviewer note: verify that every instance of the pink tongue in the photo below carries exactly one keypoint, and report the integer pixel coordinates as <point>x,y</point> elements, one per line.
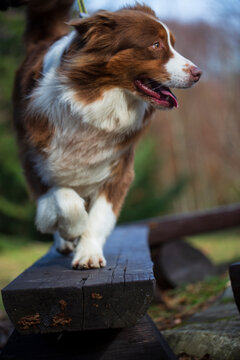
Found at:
<point>156,95</point>
<point>167,93</point>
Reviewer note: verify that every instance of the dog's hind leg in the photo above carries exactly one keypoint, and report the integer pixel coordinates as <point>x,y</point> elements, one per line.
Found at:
<point>62,210</point>
<point>64,246</point>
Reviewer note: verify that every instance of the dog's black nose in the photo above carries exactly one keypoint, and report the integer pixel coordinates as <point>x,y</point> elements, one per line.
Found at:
<point>195,73</point>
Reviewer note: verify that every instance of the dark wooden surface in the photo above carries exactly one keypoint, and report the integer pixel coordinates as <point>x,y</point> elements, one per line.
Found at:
<point>177,262</point>
<point>177,226</point>
<point>234,272</point>
<point>51,297</point>
<point>141,342</point>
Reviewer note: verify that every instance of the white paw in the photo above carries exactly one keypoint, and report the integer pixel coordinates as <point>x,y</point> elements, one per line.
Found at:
<point>61,210</point>
<point>88,256</point>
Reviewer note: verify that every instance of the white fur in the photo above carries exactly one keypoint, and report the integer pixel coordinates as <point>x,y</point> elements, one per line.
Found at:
<point>75,173</point>
<point>100,223</point>
<point>53,98</point>
<point>117,109</point>
<point>54,55</point>
<point>62,210</point>
<point>176,66</point>
<point>61,245</point>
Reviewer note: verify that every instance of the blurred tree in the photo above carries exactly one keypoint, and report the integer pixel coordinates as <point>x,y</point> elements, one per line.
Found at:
<point>16,211</point>
<point>146,197</point>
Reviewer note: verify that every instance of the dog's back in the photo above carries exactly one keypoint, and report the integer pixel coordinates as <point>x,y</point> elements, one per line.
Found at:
<point>45,23</point>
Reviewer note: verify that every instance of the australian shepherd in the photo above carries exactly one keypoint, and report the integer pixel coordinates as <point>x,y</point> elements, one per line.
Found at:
<point>83,95</point>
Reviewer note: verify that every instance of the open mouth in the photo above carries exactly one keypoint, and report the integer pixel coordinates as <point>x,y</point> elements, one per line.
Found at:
<point>159,94</point>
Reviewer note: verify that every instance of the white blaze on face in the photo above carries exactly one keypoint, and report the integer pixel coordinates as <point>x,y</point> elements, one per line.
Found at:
<point>177,66</point>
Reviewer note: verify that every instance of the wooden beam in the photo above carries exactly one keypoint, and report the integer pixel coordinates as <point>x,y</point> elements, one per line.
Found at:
<point>199,222</point>
<point>51,297</point>
<point>141,342</point>
<point>234,273</point>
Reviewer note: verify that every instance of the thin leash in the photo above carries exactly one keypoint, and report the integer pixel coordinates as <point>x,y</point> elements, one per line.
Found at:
<point>82,9</point>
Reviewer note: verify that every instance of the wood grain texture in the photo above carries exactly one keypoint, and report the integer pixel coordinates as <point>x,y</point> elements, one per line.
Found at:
<point>50,296</point>
<point>140,342</point>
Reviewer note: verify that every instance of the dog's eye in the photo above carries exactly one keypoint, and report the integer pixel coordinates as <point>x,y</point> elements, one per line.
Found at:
<point>156,45</point>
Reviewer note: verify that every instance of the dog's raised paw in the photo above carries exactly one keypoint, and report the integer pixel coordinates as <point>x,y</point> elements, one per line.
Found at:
<point>62,210</point>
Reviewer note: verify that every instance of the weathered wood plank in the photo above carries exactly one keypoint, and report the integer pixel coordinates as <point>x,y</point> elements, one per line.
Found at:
<point>176,262</point>
<point>51,297</point>
<point>141,342</point>
<point>178,226</point>
<point>234,272</point>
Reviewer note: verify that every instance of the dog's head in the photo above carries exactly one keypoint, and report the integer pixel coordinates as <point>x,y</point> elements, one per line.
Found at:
<point>129,49</point>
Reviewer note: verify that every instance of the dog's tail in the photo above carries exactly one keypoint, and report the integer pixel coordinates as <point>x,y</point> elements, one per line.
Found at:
<point>46,19</point>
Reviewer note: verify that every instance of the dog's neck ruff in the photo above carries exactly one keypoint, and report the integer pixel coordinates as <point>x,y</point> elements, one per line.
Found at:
<point>117,110</point>
<point>54,55</point>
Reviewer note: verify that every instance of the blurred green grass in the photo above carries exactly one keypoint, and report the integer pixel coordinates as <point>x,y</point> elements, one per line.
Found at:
<point>220,247</point>
<point>16,254</point>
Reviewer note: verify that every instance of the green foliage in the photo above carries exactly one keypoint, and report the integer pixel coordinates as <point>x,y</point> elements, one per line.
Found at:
<point>146,198</point>
<point>186,300</point>
<point>220,247</point>
<point>16,211</point>
<point>11,50</point>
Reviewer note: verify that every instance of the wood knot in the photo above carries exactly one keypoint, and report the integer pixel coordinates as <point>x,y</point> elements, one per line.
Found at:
<point>96,296</point>
<point>60,318</point>
<point>28,321</point>
<point>62,304</point>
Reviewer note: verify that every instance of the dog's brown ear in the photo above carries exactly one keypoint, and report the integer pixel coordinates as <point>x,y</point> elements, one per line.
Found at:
<point>81,25</point>
<point>106,19</point>
<point>102,19</point>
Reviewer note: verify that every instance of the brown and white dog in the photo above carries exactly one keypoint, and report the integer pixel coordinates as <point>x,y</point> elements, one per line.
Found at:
<point>81,100</point>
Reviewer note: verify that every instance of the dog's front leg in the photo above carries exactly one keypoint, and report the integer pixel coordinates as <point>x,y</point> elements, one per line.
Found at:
<point>100,223</point>
<point>103,215</point>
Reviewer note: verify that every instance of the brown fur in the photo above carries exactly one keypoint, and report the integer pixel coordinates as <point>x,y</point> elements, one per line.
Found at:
<point>45,24</point>
<point>116,188</point>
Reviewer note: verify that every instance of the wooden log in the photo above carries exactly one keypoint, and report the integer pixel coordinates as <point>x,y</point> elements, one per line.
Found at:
<point>177,262</point>
<point>234,272</point>
<point>141,342</point>
<point>50,296</point>
<point>199,222</point>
